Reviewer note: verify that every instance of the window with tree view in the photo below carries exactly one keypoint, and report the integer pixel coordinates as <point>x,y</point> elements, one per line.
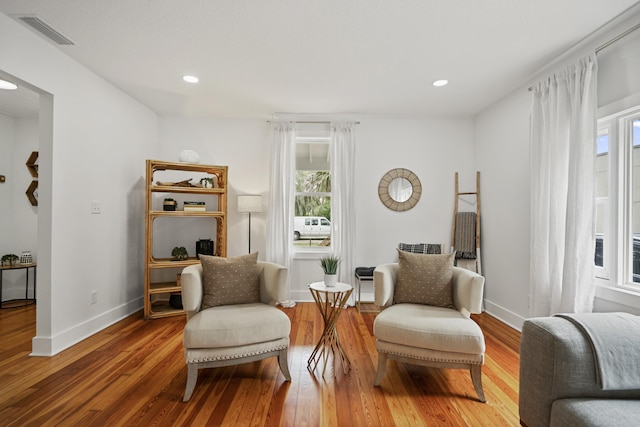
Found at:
<point>312,216</point>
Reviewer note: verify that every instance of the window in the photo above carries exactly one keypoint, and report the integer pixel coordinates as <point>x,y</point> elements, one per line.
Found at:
<point>602,201</point>
<point>312,216</point>
<point>617,199</point>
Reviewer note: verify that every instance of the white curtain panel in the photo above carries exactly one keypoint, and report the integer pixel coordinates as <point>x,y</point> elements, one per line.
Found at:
<point>563,132</point>
<point>281,189</point>
<point>343,149</point>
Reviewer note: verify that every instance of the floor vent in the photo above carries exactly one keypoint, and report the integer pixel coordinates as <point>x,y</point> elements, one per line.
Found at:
<point>45,29</point>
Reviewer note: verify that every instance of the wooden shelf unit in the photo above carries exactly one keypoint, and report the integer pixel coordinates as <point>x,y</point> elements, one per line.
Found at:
<point>155,306</point>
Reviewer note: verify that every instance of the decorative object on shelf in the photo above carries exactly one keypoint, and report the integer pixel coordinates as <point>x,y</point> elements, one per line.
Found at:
<point>179,253</point>
<point>248,203</point>
<point>9,259</point>
<point>189,156</point>
<point>399,189</point>
<point>169,204</point>
<point>194,207</point>
<point>175,300</point>
<point>184,183</point>
<point>205,247</point>
<point>26,257</point>
<point>329,265</point>
<point>32,164</point>
<point>32,193</point>
<point>207,182</point>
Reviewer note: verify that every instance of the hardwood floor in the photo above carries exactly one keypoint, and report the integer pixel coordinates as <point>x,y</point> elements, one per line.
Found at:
<point>133,373</point>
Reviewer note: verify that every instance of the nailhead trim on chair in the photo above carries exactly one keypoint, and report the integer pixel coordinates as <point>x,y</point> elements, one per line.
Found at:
<point>235,356</point>
<point>413,356</point>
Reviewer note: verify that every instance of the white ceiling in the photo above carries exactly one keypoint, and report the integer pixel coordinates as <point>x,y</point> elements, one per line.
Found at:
<point>366,57</point>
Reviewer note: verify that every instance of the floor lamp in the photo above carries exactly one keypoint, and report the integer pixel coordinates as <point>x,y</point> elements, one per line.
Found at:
<point>249,204</point>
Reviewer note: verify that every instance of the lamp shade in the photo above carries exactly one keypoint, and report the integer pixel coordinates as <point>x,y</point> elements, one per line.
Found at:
<point>249,203</point>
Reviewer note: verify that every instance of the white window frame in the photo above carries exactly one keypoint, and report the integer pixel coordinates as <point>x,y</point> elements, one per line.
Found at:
<point>617,270</point>
<point>605,202</point>
<point>300,251</point>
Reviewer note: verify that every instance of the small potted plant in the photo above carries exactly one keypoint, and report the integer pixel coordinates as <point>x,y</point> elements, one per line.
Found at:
<point>329,265</point>
<point>169,204</point>
<point>179,253</point>
<point>206,182</point>
<point>10,259</point>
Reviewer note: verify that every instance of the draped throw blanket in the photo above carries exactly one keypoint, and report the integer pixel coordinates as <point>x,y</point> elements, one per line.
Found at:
<point>465,237</point>
<point>420,248</point>
<point>615,341</point>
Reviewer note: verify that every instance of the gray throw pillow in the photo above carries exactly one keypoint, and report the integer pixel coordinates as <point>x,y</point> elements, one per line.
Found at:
<point>424,279</point>
<point>230,280</point>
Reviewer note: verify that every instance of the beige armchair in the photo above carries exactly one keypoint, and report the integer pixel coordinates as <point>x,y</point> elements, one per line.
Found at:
<point>427,335</point>
<point>227,335</point>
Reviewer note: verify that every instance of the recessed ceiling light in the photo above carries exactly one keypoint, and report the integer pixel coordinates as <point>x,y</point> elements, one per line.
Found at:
<point>7,85</point>
<point>190,79</point>
<point>439,83</point>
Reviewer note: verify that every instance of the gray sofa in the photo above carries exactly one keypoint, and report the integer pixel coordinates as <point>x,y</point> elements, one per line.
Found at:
<point>558,385</point>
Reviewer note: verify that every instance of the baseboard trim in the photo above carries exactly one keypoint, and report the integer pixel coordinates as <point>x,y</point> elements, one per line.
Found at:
<point>506,316</point>
<point>305,296</point>
<point>49,346</point>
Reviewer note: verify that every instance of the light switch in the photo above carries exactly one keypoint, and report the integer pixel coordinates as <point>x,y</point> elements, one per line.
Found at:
<point>95,207</point>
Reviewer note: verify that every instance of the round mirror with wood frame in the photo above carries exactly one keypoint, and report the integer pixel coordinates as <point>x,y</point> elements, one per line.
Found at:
<point>399,189</point>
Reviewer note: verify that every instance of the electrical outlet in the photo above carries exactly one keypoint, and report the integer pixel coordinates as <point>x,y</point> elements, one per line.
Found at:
<point>95,207</point>
<point>94,297</point>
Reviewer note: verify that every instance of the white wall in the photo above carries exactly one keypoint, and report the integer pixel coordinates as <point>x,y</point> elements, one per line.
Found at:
<point>240,144</point>
<point>93,143</point>
<point>618,68</point>
<point>433,149</point>
<point>502,153</point>
<point>18,138</point>
<point>7,144</point>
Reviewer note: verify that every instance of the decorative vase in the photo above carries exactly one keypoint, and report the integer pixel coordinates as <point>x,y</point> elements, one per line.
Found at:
<point>330,280</point>
<point>188,156</point>
<point>169,205</point>
<point>175,301</point>
<point>26,257</point>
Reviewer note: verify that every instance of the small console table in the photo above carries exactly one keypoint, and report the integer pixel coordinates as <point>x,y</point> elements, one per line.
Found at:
<point>363,274</point>
<point>26,267</point>
<point>330,301</point>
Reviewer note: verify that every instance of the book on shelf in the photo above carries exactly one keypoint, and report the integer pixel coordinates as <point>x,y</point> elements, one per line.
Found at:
<point>188,208</point>
<point>194,206</point>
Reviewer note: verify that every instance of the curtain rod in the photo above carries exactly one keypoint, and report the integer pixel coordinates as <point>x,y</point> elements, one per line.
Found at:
<point>610,42</point>
<point>618,37</point>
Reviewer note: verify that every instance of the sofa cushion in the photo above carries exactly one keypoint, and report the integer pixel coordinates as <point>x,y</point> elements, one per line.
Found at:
<point>230,280</point>
<point>236,325</point>
<point>424,279</point>
<point>595,412</point>
<point>428,327</point>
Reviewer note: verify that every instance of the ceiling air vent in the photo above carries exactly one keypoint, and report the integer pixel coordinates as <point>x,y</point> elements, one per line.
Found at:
<point>45,29</point>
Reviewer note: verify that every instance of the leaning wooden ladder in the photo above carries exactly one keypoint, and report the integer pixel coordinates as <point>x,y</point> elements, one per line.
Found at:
<point>465,225</point>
